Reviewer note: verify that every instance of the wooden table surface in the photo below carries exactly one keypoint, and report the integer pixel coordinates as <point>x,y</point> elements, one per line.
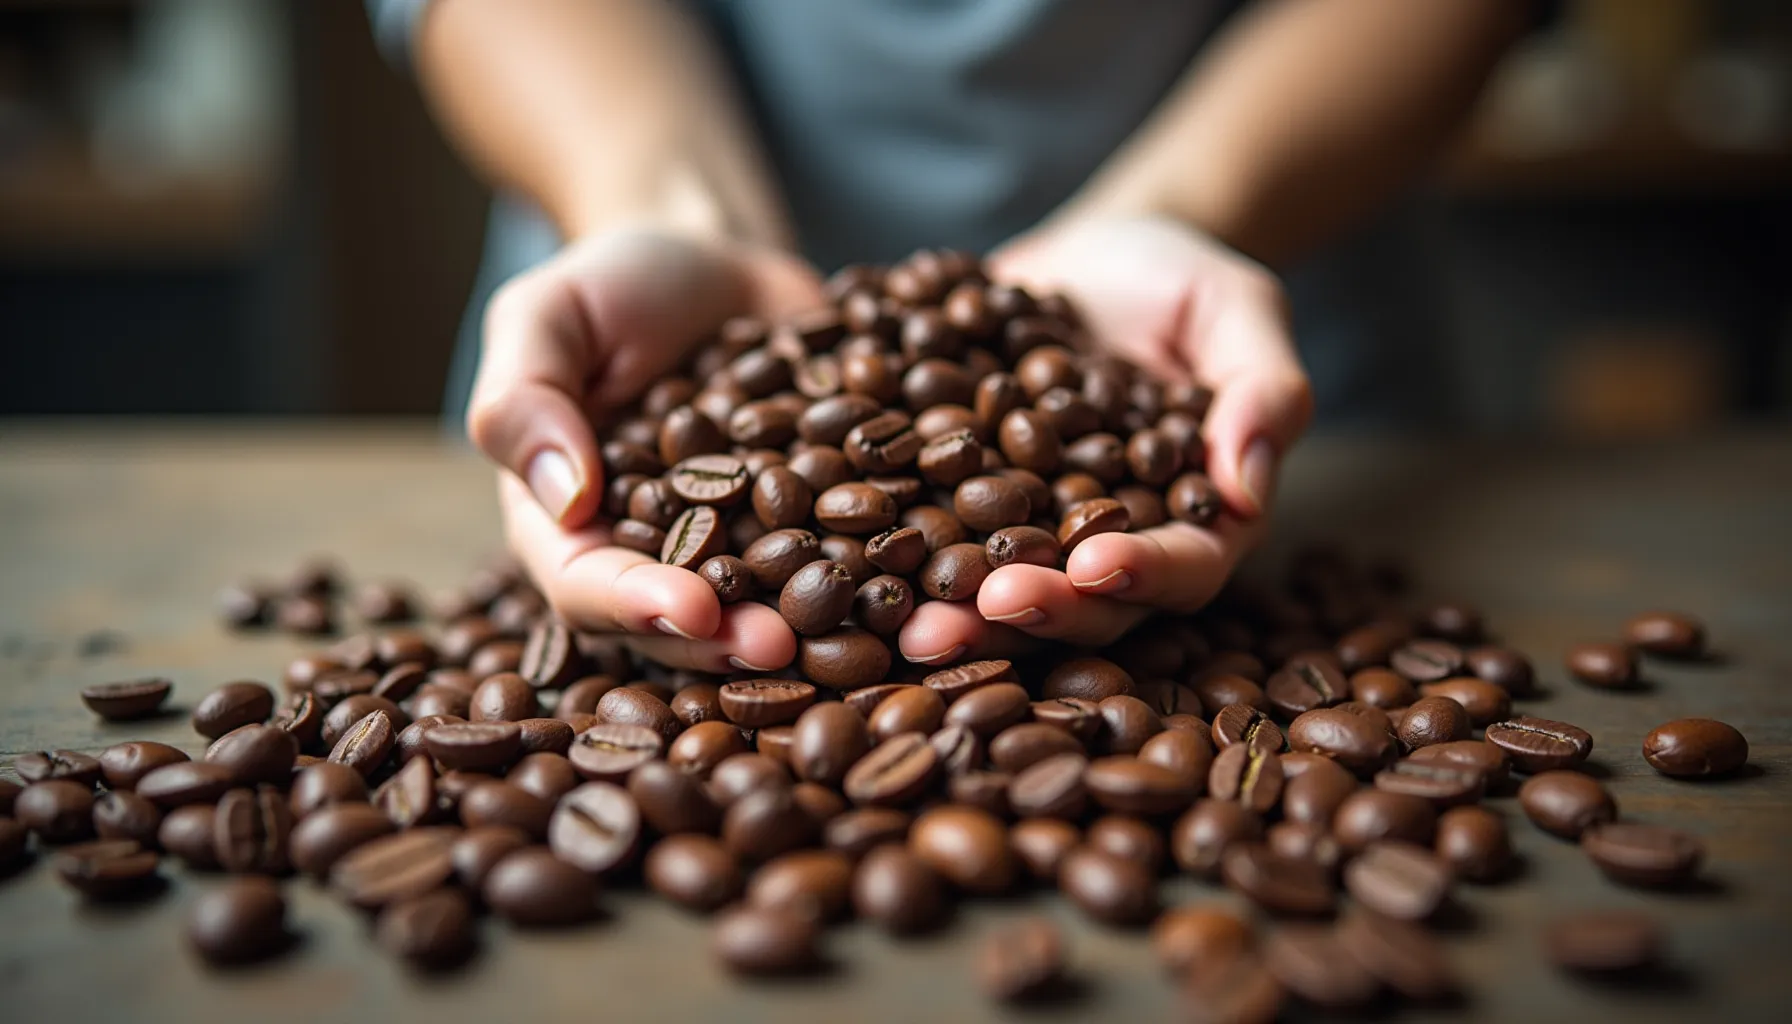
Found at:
<point>114,537</point>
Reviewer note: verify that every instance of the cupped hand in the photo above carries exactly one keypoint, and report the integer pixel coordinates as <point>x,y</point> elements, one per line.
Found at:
<point>566,345</point>
<point>1184,307</point>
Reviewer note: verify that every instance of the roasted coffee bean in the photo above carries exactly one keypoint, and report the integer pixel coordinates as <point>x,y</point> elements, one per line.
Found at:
<point>898,551</point>
<point>775,557</point>
<point>1566,803</point>
<point>1371,645</point>
<point>671,800</point>
<point>654,502</point>
<point>500,803</point>
<point>1187,752</point>
<point>546,774</point>
<point>1474,843</point>
<point>815,884</point>
<point>1076,716</point>
<point>1072,489</point>
<point>1109,888</point>
<point>883,604</point>
<point>1503,667</point>
<point>367,743</point>
<point>179,784</point>
<point>1357,742</point>
<point>826,741</point>
<point>1604,941</point>
<point>1405,958</point>
<point>123,764</point>
<point>717,480</point>
<point>1251,777</point>
<point>256,754</point>
<point>622,456</point>
<point>1089,518</point>
<point>989,709</point>
<point>126,701</point>
<point>756,703</point>
<point>1432,720</point>
<point>1217,692</point>
<point>695,871</point>
<point>1302,841</point>
<point>939,527</point>
<point>1131,786</point>
<point>1021,746</point>
<point>608,752</point>
<point>1129,838</point>
<point>1193,499</point>
<point>953,683</point>
<point>1371,814</point>
<point>305,615</point>
<point>1539,745</point>
<point>1427,661</point>
<point>741,774</point>
<point>1645,855</point>
<point>1608,666</point>
<point>1305,683</point>
<point>595,828</point>
<point>477,850</point>
<point>475,746</point>
<point>545,735</point>
<point>896,890</point>
<point>1442,783</point>
<point>1315,964</point>
<point>325,835</point>
<point>1202,835</point>
<point>1478,755</point>
<point>817,598</point>
<point>700,748</point>
<point>70,765</point>
<point>1197,939</point>
<point>251,831</point>
<point>242,921</point>
<point>764,940</point>
<point>532,888</point>
<point>1694,748</point>
<point>1243,725</point>
<point>830,419</point>
<point>581,696</point>
<point>230,706</point>
<point>1312,796</point>
<point>124,815</point>
<point>107,869</point>
<point>186,832</point>
<point>433,930</point>
<point>1101,455</point>
<point>1399,880</point>
<point>1054,787</point>
<point>1669,634</point>
<point>504,697</point>
<point>844,659</point>
<point>1021,961</point>
<point>990,503</point>
<point>895,772</point>
<point>728,576</point>
<point>1089,678</point>
<point>1040,845</point>
<point>856,832</point>
<point>1028,440</point>
<point>885,443</point>
<point>392,868</point>
<point>696,536</point>
<point>966,846</point>
<point>765,822</point>
<point>409,797</point>
<point>1276,883</point>
<point>955,572</point>
<point>1023,545</point>
<point>632,706</point>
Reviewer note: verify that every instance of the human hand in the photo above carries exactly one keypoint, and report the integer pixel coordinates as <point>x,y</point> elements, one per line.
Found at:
<point>1182,306</point>
<point>573,340</point>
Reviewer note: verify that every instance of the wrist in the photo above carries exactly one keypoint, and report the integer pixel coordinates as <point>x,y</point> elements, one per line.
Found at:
<point>677,198</point>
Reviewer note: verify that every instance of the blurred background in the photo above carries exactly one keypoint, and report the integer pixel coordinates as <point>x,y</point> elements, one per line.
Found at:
<point>236,206</point>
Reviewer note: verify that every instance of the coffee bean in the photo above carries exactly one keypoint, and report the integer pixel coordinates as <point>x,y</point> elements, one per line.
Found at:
<point>1503,667</point>
<point>712,479</point>
<point>256,754</point>
<point>1432,720</point>
<point>1243,725</point>
<point>700,748</point>
<point>1669,634</point>
<point>532,888</point>
<point>1695,748</point>
<point>504,697</point>
<point>595,828</point>
<point>1187,752</point>
<point>883,444</point>
<point>1029,441</point>
<point>1209,828</point>
<point>1427,661</point>
<point>1305,683</point>
<point>631,706</point>
<point>1538,744</point>
<point>1604,941</point>
<point>367,744</point>
<point>1444,784</point>
<point>1276,883</point>
<point>764,940</point>
<point>388,869</point>
<point>124,815</point>
<point>1193,499</point>
<point>895,772</point>
<point>1473,842</point>
<point>409,797</point>
<point>107,869</point>
<point>1021,961</point>
<point>989,709</point>
<point>1371,814</point>
<point>251,830</point>
<point>815,884</point>
<point>477,850</point>
<point>123,764</point>
<point>765,822</point>
<point>230,706</point>
<point>756,703</point>
<point>126,701</point>
<point>1249,776</point>
<point>741,774</point>
<point>775,557</point>
<point>1354,741</point>
<point>181,783</point>
<point>1646,855</point>
<point>1608,666</point>
<point>1315,964</point>
<point>844,659</point>
<point>694,871</point>
<point>240,922</point>
<point>817,598</point>
<point>70,765</point>
<point>966,846</point>
<point>1217,692</point>
<point>827,739</point>
<point>1191,939</point>
<point>955,572</point>
<point>1404,957</point>
<point>1566,803</point>
<point>434,930</point>
<point>1312,796</point>
<point>1021,746</point>
<point>1089,678</point>
<point>610,751</point>
<point>728,576</point>
<point>1398,880</point>
<point>1109,888</point>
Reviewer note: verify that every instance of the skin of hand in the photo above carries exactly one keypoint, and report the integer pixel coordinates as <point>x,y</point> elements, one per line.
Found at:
<point>568,343</point>
<point>1182,306</point>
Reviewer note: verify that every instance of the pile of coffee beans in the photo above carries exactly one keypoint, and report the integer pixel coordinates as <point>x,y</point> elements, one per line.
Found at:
<point>1323,748</point>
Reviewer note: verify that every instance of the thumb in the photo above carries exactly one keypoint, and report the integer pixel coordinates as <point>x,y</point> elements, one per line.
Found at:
<point>525,412</point>
<point>1262,403</point>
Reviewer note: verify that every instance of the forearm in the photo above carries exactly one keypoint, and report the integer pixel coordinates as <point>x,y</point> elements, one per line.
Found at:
<point>603,113</point>
<point>1305,115</point>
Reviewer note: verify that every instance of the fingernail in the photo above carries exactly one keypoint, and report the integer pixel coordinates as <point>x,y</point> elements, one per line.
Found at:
<point>554,481</point>
<point>1024,617</point>
<point>1257,472</point>
<point>934,659</point>
<point>744,665</point>
<point>1113,583</point>
<point>665,625</point>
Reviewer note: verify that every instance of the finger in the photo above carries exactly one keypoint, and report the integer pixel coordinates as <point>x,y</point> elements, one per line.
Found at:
<point>1042,603</point>
<point>1238,341</point>
<point>750,638</point>
<point>942,632</point>
<point>525,412</point>
<point>601,588</point>
<point>1175,566</point>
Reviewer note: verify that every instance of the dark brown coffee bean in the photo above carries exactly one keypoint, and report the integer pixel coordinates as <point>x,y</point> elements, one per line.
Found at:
<point>1503,667</point>
<point>1313,796</point>
<point>1243,725</point>
<point>1605,941</point>
<point>1473,842</point>
<point>763,941</point>
<point>695,871</point>
<point>433,930</point>
<point>990,503</point>
<point>953,683</point>
<point>883,604</point>
<point>1442,783</point>
<point>123,764</point>
<point>765,822</point>
<point>1358,743</point>
<point>595,828</point>
<point>1538,744</point>
<point>826,740</point>
<point>70,765</point>
<point>1053,787</point>
<point>251,831</point>
<point>107,869</point>
<point>951,457</point>
<point>322,785</point>
<point>741,774</point>
<point>1040,845</point>
<point>895,772</point>
<point>545,735</point>
<point>955,572</point>
<point>883,444</point>
<point>1251,777</point>
<point>1187,752</point>
<point>409,797</point>
<point>989,709</point>
<point>1193,499</point>
<point>1089,518</point>
<point>764,424</point>
<point>1566,803</point>
<point>1371,814</point>
<point>1028,441</point>
<point>775,557</point>
<point>1128,838</point>
<point>1111,889</point>
<point>391,868</point>
<point>632,706</point>
<point>1088,678</point>
<point>638,536</point>
<point>897,891</point>
<point>701,747</point>
<point>1646,855</point>
<point>687,432</point>
<point>1693,748</point>
<point>1020,746</point>
<point>1427,661</point>
<point>694,538</point>
<point>1382,688</point>
<point>1314,963</point>
<point>1022,961</point>
<point>654,502</point>
<point>717,480</point>
<point>1305,683</point>
<point>817,598</point>
<point>966,846</point>
<point>126,701</point>
<point>1398,880</point>
<point>1218,691</point>
<point>240,922</point>
<point>856,832</point>
<point>475,746</point>
<point>1405,958</point>
<point>959,749</point>
<point>844,659</point>
<point>1669,634</point>
<point>305,616</point>
<point>179,784</point>
<point>1279,884</point>
<point>1607,666</point>
<point>815,884</point>
<point>124,815</point>
<point>939,527</point>
<point>186,832</point>
<point>756,703</point>
<point>476,851</point>
<point>500,803</point>
<point>533,888</point>
<point>1101,455</point>
<point>1131,786</point>
<point>830,419</point>
<point>256,754</point>
<point>1433,720</point>
<point>1198,938</point>
<point>610,751</point>
<point>230,706</point>
<point>1202,835</point>
<point>366,744</point>
<point>728,576</point>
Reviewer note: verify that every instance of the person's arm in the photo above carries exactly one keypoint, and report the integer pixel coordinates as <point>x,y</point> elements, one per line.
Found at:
<point>1303,116</point>
<point>604,113</point>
